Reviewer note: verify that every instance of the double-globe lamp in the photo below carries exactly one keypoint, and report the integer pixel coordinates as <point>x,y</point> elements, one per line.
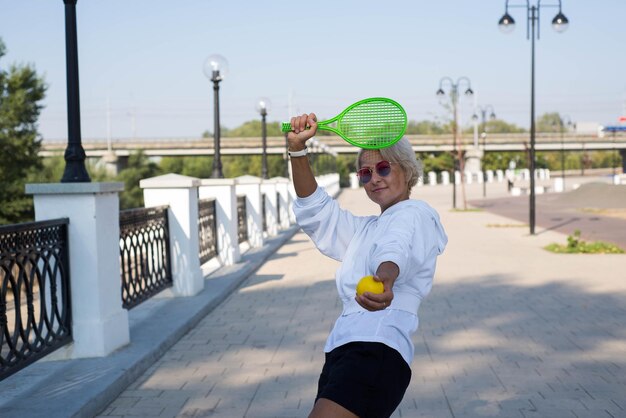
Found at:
<point>215,68</point>
<point>506,24</point>
<point>454,100</point>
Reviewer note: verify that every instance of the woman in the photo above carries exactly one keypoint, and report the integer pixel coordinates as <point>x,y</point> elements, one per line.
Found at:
<point>369,350</point>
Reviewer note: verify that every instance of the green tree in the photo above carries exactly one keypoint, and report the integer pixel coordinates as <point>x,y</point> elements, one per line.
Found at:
<point>426,127</point>
<point>139,167</point>
<point>21,93</point>
<point>252,128</point>
<point>548,122</point>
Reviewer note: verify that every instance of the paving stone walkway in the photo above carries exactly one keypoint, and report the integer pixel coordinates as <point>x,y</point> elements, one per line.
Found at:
<point>510,330</point>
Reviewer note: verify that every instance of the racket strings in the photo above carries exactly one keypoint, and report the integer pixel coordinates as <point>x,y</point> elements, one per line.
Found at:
<point>373,123</point>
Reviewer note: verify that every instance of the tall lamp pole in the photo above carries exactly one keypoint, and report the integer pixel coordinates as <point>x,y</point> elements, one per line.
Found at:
<point>483,118</point>
<point>215,69</point>
<point>506,25</point>
<point>75,171</point>
<point>454,100</point>
<point>263,106</point>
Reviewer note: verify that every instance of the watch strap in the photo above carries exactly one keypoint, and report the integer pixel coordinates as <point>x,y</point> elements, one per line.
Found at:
<point>300,153</point>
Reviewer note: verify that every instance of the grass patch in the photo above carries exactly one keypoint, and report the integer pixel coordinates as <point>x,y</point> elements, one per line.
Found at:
<point>575,245</point>
<point>613,213</point>
<point>507,225</point>
<point>467,210</point>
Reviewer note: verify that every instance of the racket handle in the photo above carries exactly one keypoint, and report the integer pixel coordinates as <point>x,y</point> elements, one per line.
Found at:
<point>286,127</point>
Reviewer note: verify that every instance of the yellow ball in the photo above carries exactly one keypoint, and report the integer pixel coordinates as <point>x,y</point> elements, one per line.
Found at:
<point>368,284</point>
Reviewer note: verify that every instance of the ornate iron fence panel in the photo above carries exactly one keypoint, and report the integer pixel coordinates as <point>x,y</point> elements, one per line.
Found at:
<point>207,230</point>
<point>242,223</point>
<point>35,309</point>
<point>264,211</point>
<point>144,254</point>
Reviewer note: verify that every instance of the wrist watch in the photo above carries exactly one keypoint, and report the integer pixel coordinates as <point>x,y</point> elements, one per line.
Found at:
<point>300,153</point>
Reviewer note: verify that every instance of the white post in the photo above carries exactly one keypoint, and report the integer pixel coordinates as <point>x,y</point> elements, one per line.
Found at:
<point>432,178</point>
<point>282,190</point>
<point>251,187</point>
<point>500,176</point>
<point>354,181</point>
<point>223,191</point>
<point>181,194</point>
<point>445,178</point>
<point>457,177</point>
<point>99,323</point>
<point>268,190</point>
<point>292,197</point>
<point>489,176</point>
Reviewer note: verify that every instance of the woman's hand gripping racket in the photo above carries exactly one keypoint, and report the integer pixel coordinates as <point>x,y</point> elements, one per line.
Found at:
<point>372,123</point>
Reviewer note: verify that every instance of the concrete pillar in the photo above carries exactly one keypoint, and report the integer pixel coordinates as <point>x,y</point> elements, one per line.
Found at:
<point>445,178</point>
<point>354,181</point>
<point>250,186</point>
<point>282,190</point>
<point>268,190</point>
<point>473,158</point>
<point>500,176</point>
<point>99,323</point>
<point>457,177</point>
<point>489,174</point>
<point>558,185</point>
<point>223,191</point>
<point>111,163</point>
<point>432,178</point>
<point>181,194</point>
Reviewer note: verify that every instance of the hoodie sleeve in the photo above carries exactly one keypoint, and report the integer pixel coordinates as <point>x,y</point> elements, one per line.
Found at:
<point>330,227</point>
<point>411,236</point>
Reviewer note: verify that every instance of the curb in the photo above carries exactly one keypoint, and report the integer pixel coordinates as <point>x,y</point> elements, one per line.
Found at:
<point>85,387</point>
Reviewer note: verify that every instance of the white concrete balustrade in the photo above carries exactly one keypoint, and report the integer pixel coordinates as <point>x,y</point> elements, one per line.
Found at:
<point>100,324</point>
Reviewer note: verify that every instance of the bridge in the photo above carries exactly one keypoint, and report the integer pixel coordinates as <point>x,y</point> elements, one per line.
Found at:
<point>194,146</point>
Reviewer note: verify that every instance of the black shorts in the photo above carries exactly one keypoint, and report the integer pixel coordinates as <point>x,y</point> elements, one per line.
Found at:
<point>368,379</point>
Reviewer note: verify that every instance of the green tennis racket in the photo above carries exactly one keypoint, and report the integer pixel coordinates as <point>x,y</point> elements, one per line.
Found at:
<point>372,123</point>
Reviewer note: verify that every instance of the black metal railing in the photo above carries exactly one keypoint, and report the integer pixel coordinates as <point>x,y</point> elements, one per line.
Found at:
<point>144,254</point>
<point>242,224</point>
<point>278,208</point>
<point>35,310</point>
<point>264,211</point>
<point>207,229</point>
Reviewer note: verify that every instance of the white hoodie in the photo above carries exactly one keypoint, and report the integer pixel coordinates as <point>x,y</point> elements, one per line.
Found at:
<point>408,234</point>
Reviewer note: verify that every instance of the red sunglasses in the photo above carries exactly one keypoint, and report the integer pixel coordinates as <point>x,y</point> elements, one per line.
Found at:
<point>383,168</point>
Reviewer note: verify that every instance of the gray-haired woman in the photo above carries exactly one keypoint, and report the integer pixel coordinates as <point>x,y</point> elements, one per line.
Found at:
<point>369,350</point>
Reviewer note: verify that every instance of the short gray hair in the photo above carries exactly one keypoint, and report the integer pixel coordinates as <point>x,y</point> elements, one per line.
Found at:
<point>402,154</point>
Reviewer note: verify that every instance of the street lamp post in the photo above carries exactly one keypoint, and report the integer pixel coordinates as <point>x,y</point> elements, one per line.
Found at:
<point>215,69</point>
<point>263,106</point>
<point>286,156</point>
<point>75,171</point>
<point>454,99</point>
<point>483,114</point>
<point>507,24</point>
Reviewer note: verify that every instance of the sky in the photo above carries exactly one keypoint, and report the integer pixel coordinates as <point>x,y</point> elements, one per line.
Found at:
<point>141,60</point>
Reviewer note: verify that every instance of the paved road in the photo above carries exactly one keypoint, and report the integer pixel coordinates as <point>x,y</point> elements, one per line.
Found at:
<point>591,209</point>
<point>509,330</point>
